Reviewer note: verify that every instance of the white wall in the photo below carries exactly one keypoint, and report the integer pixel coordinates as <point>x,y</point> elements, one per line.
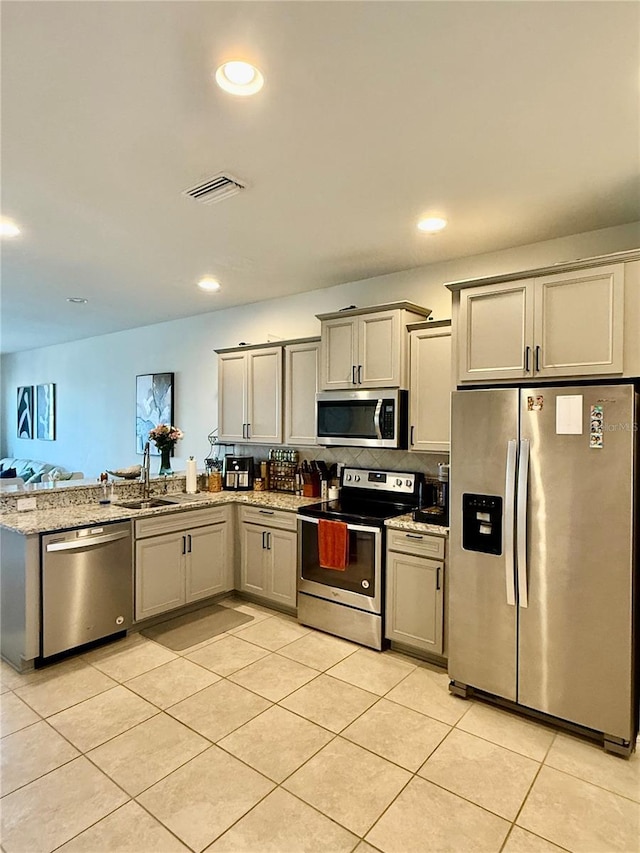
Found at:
<point>95,378</point>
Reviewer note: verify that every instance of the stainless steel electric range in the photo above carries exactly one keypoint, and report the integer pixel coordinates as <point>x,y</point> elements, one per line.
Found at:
<point>349,602</point>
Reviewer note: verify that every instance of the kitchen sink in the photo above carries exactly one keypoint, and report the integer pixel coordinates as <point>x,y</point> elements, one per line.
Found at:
<point>142,503</point>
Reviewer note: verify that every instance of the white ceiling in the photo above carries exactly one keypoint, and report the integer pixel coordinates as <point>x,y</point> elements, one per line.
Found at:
<point>518,121</point>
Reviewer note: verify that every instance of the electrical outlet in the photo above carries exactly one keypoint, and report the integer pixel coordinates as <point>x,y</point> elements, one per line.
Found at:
<point>23,504</point>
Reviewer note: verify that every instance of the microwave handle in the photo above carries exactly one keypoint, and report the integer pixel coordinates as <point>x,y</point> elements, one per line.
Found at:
<point>376,419</point>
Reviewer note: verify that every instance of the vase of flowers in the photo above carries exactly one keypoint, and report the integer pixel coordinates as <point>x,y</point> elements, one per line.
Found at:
<point>165,438</point>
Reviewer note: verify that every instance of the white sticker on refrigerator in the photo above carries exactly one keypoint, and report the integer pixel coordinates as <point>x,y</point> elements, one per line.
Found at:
<point>596,427</point>
<point>569,415</point>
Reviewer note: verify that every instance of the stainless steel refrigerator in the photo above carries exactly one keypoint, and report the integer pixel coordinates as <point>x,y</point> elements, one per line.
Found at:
<point>542,562</point>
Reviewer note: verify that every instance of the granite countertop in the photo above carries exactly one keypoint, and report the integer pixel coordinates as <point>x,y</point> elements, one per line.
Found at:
<point>406,522</point>
<point>64,517</point>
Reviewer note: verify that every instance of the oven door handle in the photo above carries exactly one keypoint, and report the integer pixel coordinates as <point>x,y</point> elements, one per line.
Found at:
<point>376,419</point>
<point>363,527</point>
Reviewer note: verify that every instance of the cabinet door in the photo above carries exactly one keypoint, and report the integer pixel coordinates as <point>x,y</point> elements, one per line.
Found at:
<point>281,561</point>
<point>579,322</point>
<point>414,610</point>
<point>208,564</point>
<point>231,396</point>
<point>253,559</point>
<point>338,354</point>
<point>301,372</point>
<point>159,574</point>
<point>430,395</point>
<point>264,396</point>
<point>379,343</point>
<point>496,332</point>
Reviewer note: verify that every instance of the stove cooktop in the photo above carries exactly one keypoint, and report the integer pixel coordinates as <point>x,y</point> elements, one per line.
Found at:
<point>359,512</point>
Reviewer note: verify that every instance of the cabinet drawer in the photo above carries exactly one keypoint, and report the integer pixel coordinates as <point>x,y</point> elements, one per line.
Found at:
<point>268,517</point>
<point>421,544</point>
<point>174,521</point>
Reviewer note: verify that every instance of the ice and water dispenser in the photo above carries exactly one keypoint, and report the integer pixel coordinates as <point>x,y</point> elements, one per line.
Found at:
<point>482,523</point>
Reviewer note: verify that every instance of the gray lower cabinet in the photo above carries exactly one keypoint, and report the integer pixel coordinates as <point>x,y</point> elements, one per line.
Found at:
<point>181,558</point>
<point>415,591</point>
<point>268,552</point>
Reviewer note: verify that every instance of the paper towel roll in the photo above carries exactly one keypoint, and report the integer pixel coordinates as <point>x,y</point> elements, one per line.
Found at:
<point>192,476</point>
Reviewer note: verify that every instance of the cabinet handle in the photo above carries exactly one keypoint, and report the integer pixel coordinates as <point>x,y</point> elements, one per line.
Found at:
<point>189,543</point>
<point>438,578</point>
<point>537,358</point>
<point>184,545</point>
<point>413,536</point>
<point>248,430</point>
<point>244,427</point>
<point>359,374</point>
<point>264,533</point>
<point>268,541</point>
<point>527,351</point>
<point>411,438</point>
<point>353,374</point>
<point>266,511</point>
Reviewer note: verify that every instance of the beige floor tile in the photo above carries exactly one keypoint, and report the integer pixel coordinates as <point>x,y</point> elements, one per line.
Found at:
<point>172,682</point>
<point>281,823</point>
<point>143,755</point>
<point>580,816</point>
<point>590,762</point>
<point>228,655</point>
<point>197,646</point>
<point>427,691</point>
<point>276,742</point>
<point>488,775</point>
<point>136,657</point>
<point>397,733</point>
<point>249,608</point>
<point>272,633</point>
<point>30,753</point>
<point>427,818</point>
<point>201,800</point>
<point>364,847</point>
<point>274,677</point>
<point>12,679</point>
<point>319,651</point>
<point>130,829</point>
<point>508,730</point>
<point>218,710</point>
<point>54,808</point>
<point>521,841</point>
<point>102,717</point>
<point>372,671</point>
<point>348,784</point>
<point>62,689</point>
<point>14,714</point>
<point>329,702</point>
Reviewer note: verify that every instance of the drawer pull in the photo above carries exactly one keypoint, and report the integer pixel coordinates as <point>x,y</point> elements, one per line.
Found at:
<point>413,536</point>
<point>266,511</point>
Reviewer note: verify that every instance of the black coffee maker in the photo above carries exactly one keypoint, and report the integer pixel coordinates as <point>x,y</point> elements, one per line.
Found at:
<point>434,501</point>
<point>238,473</point>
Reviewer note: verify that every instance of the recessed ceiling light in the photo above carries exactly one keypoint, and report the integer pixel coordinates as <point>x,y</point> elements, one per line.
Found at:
<point>432,224</point>
<point>209,284</point>
<point>239,78</point>
<point>77,300</point>
<point>8,229</point>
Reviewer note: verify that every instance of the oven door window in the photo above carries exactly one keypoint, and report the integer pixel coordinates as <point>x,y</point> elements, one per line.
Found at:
<point>347,418</point>
<point>358,577</point>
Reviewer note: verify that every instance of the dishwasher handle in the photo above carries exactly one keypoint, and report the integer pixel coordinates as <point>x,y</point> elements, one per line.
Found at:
<point>86,542</point>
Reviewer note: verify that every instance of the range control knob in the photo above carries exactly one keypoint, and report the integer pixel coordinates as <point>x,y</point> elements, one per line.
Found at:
<point>398,482</point>
<point>408,483</point>
<point>357,478</point>
<point>348,478</point>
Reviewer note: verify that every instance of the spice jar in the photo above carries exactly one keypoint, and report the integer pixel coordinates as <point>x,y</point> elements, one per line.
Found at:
<point>215,481</point>
<point>259,484</point>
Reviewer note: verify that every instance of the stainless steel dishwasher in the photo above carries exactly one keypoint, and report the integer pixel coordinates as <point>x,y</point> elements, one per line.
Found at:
<point>87,585</point>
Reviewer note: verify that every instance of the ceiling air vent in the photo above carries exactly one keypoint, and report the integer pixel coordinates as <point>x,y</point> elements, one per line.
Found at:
<point>215,189</point>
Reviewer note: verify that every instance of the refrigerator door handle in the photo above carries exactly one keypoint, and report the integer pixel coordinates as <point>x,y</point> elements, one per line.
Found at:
<point>509,520</point>
<point>521,522</point>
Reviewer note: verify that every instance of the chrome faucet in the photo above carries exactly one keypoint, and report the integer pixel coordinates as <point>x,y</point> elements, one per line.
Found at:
<point>146,467</point>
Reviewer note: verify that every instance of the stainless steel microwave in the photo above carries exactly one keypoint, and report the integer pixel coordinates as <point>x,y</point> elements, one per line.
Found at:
<point>365,418</point>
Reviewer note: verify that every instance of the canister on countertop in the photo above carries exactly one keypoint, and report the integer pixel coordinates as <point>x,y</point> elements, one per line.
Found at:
<point>215,481</point>
<point>259,485</point>
<point>264,474</point>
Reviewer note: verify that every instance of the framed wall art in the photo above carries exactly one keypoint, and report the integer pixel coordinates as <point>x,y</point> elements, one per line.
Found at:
<point>154,405</point>
<point>25,411</point>
<point>46,412</point>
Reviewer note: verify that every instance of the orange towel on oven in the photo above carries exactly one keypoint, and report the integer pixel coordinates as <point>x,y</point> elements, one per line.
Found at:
<point>333,545</point>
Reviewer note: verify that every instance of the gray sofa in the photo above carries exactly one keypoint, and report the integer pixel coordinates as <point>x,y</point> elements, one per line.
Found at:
<point>32,471</point>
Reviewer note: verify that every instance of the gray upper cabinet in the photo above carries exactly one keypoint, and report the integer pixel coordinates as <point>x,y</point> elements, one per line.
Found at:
<point>301,384</point>
<point>430,392</point>
<point>367,347</point>
<point>250,395</point>
<point>562,325</point>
